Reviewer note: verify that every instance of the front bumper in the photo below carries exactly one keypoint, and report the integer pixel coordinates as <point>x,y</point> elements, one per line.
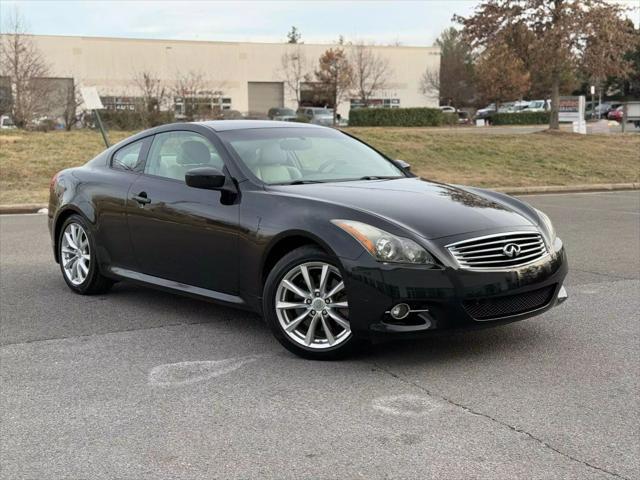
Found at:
<point>448,298</point>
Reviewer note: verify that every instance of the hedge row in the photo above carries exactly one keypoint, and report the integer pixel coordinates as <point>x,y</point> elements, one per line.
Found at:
<point>134,120</point>
<point>396,117</point>
<point>520,118</point>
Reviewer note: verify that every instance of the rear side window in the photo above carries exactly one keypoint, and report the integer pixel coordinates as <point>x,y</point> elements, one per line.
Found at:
<point>173,154</point>
<point>128,158</point>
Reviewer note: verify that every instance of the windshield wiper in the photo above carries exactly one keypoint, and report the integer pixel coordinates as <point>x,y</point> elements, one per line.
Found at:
<point>378,177</point>
<point>302,182</point>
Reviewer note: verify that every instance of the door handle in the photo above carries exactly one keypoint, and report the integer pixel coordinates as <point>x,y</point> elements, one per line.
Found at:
<point>142,198</point>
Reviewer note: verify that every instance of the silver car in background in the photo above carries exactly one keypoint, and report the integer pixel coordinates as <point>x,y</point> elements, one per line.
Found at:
<point>317,115</point>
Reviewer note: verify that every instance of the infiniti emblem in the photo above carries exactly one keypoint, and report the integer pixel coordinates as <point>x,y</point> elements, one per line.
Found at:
<point>511,250</point>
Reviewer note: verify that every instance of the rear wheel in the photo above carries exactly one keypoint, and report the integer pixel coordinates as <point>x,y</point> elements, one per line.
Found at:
<point>77,258</point>
<point>306,305</point>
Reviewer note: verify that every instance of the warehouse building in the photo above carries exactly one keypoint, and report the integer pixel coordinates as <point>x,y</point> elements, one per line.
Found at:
<point>244,77</point>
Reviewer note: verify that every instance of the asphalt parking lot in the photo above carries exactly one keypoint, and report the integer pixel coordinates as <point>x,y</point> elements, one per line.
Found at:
<point>139,384</point>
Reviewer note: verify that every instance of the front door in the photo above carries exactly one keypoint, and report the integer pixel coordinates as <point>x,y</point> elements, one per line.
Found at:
<point>178,232</point>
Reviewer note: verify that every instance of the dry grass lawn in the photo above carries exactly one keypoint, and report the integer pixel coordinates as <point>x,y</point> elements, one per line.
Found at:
<point>28,160</point>
<point>511,160</point>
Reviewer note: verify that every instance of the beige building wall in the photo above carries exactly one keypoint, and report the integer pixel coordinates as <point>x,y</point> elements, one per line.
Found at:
<point>112,64</point>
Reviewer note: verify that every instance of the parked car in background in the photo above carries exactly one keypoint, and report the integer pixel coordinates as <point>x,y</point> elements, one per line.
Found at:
<point>486,111</point>
<point>463,118</point>
<point>448,109</point>
<point>536,106</point>
<point>6,122</point>
<point>602,110</point>
<point>616,114</point>
<point>282,114</point>
<point>508,107</point>
<point>317,115</point>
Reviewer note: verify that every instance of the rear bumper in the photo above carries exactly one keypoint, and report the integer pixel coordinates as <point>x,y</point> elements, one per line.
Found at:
<point>448,298</point>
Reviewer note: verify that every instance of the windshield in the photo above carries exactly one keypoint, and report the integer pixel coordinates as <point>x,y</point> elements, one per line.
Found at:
<point>306,155</point>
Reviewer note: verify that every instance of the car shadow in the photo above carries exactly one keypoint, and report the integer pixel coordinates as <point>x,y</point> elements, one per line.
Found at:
<point>502,341</point>
<point>522,338</point>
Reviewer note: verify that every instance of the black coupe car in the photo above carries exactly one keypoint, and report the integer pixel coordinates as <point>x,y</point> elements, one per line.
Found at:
<point>333,242</point>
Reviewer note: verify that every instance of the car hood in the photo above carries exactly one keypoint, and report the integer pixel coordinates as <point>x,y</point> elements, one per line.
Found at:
<point>431,210</point>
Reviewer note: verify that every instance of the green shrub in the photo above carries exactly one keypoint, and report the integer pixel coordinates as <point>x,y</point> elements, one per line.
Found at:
<point>396,117</point>
<point>449,118</point>
<point>520,118</point>
<point>134,120</point>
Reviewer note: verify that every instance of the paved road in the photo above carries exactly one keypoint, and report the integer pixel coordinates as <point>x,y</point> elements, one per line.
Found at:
<point>139,384</point>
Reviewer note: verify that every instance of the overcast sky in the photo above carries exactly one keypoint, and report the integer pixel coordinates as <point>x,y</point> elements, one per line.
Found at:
<point>384,22</point>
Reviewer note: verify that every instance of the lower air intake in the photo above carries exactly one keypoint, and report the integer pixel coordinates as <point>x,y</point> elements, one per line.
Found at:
<point>499,307</point>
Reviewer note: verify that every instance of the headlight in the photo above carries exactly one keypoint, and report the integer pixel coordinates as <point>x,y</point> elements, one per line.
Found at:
<point>384,246</point>
<point>548,225</point>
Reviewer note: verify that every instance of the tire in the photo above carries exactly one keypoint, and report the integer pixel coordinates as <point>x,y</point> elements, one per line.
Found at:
<point>78,263</point>
<point>324,310</point>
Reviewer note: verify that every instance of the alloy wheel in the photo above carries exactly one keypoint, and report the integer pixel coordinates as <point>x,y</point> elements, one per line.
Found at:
<point>75,253</point>
<point>311,306</point>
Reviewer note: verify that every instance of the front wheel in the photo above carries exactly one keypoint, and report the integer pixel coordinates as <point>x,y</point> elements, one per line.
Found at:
<point>305,303</point>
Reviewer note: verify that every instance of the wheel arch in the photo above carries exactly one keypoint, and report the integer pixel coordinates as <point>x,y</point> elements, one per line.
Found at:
<point>61,217</point>
<point>285,243</point>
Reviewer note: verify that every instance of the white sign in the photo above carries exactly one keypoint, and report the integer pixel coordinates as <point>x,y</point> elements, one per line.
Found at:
<point>91,98</point>
<point>571,109</point>
<point>593,89</point>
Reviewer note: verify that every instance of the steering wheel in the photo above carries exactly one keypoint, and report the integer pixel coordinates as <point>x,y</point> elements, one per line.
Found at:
<point>324,167</point>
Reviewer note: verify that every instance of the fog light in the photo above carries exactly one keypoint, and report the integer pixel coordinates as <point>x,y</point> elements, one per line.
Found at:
<point>400,311</point>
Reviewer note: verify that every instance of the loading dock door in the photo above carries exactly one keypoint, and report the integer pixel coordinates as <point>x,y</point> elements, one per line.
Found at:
<point>265,95</point>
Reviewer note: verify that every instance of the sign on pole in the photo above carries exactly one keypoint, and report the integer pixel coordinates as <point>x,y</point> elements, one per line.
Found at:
<point>91,98</point>
<point>92,102</point>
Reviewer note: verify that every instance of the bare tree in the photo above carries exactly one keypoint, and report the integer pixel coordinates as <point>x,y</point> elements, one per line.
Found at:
<point>430,83</point>
<point>294,69</point>
<point>371,71</point>
<point>73,101</point>
<point>187,87</point>
<point>335,76</point>
<point>153,94</point>
<point>22,62</point>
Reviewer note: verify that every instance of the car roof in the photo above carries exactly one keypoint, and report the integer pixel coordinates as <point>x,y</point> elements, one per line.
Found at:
<point>224,125</point>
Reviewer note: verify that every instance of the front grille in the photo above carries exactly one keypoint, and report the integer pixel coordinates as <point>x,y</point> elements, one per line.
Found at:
<point>498,307</point>
<point>491,252</point>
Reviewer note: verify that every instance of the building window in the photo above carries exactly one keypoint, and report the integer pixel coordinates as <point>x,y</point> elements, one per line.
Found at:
<point>203,105</point>
<point>120,103</point>
<point>376,103</point>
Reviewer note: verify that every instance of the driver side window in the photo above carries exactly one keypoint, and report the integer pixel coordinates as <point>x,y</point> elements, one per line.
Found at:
<point>173,154</point>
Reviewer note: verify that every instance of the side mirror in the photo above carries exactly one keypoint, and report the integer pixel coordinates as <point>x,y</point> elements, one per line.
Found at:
<point>205,177</point>
<point>403,165</point>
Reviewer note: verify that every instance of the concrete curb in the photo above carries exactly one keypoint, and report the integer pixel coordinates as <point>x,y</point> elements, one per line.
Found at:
<point>22,208</point>
<point>595,187</point>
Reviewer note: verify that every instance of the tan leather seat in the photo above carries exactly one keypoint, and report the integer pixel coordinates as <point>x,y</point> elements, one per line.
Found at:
<point>191,154</point>
<point>273,166</point>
